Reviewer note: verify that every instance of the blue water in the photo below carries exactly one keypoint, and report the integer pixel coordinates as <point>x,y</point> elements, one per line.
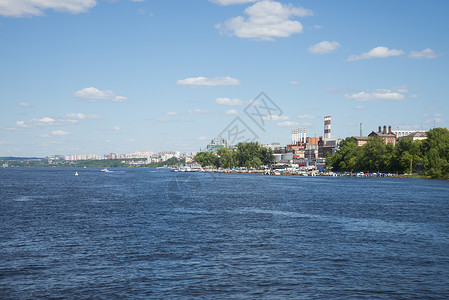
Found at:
<point>147,233</point>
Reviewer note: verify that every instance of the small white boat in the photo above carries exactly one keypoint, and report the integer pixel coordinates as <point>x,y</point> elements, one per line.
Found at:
<point>76,173</point>
<point>105,170</point>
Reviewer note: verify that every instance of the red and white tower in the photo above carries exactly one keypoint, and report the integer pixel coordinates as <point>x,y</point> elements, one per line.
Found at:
<point>327,127</point>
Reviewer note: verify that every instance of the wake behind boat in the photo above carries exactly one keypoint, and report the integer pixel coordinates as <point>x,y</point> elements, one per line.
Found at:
<point>105,170</point>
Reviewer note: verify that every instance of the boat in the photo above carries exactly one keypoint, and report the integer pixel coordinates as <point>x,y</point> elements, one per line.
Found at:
<point>76,173</point>
<point>105,170</point>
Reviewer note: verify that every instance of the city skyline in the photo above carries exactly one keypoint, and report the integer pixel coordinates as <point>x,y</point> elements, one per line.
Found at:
<point>126,76</point>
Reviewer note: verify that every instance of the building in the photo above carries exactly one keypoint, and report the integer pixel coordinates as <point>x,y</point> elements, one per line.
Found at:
<point>388,137</point>
<point>417,136</point>
<point>216,144</point>
<point>360,140</point>
<point>403,133</point>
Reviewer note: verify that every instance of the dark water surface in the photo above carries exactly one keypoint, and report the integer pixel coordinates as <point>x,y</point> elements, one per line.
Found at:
<point>146,233</point>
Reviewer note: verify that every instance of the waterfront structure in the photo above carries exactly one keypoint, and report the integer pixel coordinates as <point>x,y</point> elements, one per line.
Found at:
<point>388,137</point>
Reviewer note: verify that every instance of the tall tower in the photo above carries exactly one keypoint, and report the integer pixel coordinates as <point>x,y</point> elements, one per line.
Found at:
<point>327,127</point>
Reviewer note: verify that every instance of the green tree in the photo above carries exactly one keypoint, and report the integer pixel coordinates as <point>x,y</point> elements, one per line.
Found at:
<point>207,159</point>
<point>347,158</point>
<point>227,157</point>
<point>435,150</point>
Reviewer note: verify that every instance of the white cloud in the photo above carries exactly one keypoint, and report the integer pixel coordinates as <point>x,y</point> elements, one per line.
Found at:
<point>24,104</point>
<point>80,116</point>
<point>171,113</point>
<point>275,117</point>
<point>92,94</point>
<point>377,95</point>
<point>414,96</point>
<point>47,120</point>
<point>116,128</point>
<point>26,8</point>
<point>360,107</point>
<point>231,2</point>
<point>197,111</point>
<point>59,132</point>
<point>71,118</point>
<point>37,122</point>
<point>306,117</point>
<point>202,138</point>
<point>266,20</point>
<point>232,112</point>
<point>294,82</point>
<point>426,53</point>
<point>229,101</point>
<point>378,52</point>
<point>208,82</point>
<point>324,47</point>
<point>288,124</point>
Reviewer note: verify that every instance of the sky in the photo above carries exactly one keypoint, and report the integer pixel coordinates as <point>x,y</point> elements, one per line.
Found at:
<point>102,76</point>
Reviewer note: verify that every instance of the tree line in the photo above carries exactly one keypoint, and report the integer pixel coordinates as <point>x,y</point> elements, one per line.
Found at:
<point>429,156</point>
<point>249,155</point>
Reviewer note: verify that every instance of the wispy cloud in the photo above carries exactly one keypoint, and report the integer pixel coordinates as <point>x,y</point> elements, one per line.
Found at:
<point>208,82</point>
<point>324,47</point>
<point>306,117</point>
<point>202,138</point>
<point>231,2</point>
<point>24,104</point>
<point>266,20</point>
<point>379,95</point>
<point>378,52</point>
<point>81,116</point>
<point>27,8</point>
<point>198,111</point>
<point>294,82</point>
<point>232,112</point>
<point>288,124</point>
<point>229,101</point>
<point>93,94</point>
<point>71,118</point>
<point>426,53</point>
<point>437,119</point>
<point>276,118</point>
<point>59,132</point>
<point>171,113</point>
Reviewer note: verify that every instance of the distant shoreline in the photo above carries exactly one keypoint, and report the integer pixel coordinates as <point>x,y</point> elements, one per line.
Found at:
<point>260,172</point>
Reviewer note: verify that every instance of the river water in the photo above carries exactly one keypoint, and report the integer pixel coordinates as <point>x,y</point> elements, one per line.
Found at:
<point>147,233</point>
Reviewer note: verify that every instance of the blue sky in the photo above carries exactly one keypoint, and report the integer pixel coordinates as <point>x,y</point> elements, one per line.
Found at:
<point>99,76</point>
